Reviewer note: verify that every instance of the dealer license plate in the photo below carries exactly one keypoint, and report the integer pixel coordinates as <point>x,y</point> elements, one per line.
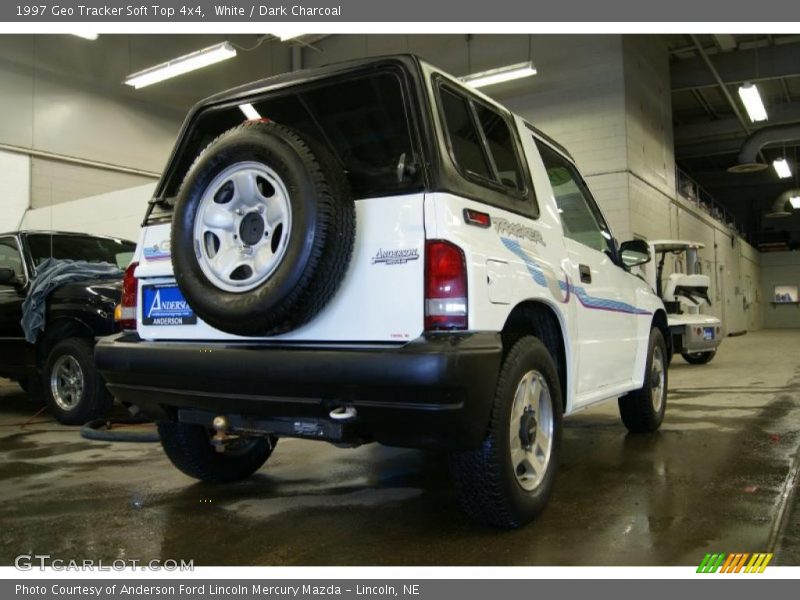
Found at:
<point>165,305</point>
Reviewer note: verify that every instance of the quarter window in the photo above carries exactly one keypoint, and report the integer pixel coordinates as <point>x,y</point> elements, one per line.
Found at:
<point>501,147</point>
<point>467,148</point>
<point>580,217</point>
<point>481,140</point>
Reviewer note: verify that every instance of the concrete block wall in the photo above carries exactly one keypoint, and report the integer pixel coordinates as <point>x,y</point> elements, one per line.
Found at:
<point>15,171</point>
<point>54,182</point>
<point>779,268</point>
<point>118,213</point>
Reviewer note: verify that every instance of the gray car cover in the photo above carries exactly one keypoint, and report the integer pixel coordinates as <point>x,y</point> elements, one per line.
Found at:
<point>53,273</point>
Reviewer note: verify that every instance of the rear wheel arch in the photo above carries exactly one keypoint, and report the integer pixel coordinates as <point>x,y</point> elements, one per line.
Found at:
<point>541,320</point>
<point>57,330</point>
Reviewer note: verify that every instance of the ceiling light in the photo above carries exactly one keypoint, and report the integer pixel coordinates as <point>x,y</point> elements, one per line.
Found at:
<point>492,76</point>
<point>795,201</point>
<point>751,99</point>
<point>782,168</point>
<point>778,209</point>
<point>182,64</point>
<point>288,36</point>
<point>250,112</point>
<point>87,36</point>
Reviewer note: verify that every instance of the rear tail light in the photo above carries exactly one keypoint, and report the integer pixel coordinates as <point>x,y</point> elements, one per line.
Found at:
<point>445,286</point>
<point>125,313</point>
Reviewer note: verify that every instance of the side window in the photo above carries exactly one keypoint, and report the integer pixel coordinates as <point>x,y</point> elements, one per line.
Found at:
<point>481,140</point>
<point>580,216</point>
<point>10,256</point>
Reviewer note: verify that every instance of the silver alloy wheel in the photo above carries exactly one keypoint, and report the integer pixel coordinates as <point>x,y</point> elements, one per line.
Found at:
<point>66,382</point>
<point>242,226</point>
<point>657,379</point>
<point>531,430</point>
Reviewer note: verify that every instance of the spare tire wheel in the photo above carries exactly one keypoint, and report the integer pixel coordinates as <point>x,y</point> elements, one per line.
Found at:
<point>263,230</point>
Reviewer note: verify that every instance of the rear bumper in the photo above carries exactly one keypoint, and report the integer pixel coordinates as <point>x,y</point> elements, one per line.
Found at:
<point>692,341</point>
<point>434,392</point>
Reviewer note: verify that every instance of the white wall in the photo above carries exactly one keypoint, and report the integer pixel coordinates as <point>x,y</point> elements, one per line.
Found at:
<point>780,268</point>
<point>15,174</point>
<point>118,214</point>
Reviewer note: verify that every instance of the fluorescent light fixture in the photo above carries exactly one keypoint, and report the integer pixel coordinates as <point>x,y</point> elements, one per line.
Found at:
<point>751,99</point>
<point>87,36</point>
<point>288,36</point>
<point>182,64</point>
<point>250,112</point>
<point>492,76</point>
<point>782,168</point>
<point>795,201</point>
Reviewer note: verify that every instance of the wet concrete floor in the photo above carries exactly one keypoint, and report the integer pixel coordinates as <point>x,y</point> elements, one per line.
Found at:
<point>714,479</point>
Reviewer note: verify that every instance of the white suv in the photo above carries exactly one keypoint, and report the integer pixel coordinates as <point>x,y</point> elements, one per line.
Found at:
<point>387,255</point>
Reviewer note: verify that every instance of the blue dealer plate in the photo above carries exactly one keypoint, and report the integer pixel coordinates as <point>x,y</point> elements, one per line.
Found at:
<point>165,305</point>
<point>708,333</point>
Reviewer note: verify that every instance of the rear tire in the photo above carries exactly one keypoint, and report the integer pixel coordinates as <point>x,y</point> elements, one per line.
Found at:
<point>508,480</point>
<point>642,410</point>
<point>698,358</point>
<point>71,384</point>
<point>189,448</point>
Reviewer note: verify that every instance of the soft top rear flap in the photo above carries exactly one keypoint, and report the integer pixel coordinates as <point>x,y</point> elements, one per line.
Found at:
<point>186,147</point>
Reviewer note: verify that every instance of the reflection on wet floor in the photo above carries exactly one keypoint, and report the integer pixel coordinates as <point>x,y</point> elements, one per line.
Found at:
<point>710,480</point>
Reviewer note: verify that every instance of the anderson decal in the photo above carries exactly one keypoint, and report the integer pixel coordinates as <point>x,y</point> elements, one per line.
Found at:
<point>395,257</point>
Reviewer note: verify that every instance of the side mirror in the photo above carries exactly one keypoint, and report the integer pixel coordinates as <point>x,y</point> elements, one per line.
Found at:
<point>7,276</point>
<point>634,253</point>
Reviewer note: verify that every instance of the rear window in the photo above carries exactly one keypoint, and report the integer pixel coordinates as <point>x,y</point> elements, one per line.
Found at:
<point>80,247</point>
<point>363,119</point>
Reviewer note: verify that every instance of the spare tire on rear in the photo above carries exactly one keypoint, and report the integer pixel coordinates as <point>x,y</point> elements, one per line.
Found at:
<point>262,231</point>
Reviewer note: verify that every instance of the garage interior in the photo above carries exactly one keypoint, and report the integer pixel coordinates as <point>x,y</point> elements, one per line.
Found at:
<point>656,126</point>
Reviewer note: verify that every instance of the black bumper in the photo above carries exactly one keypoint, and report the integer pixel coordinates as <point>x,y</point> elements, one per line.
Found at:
<point>434,392</point>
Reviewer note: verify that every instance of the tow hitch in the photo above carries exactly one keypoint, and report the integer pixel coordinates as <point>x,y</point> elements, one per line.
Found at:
<point>221,436</point>
<point>340,428</point>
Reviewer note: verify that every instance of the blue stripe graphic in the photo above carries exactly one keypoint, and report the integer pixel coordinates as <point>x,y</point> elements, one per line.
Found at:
<point>587,300</point>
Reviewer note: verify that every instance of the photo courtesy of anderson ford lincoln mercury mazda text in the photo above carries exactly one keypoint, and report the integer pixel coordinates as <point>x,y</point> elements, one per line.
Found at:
<point>387,255</point>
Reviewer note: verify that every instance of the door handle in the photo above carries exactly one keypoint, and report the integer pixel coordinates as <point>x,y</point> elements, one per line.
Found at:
<point>586,273</point>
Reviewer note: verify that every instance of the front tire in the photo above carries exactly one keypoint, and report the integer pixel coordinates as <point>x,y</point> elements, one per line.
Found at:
<point>642,410</point>
<point>698,358</point>
<point>508,480</point>
<point>72,386</point>
<point>189,448</point>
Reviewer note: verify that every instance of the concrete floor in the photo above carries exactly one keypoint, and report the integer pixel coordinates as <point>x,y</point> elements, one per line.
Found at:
<point>713,479</point>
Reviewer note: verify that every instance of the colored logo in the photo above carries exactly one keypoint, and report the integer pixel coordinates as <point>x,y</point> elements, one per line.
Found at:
<point>741,562</point>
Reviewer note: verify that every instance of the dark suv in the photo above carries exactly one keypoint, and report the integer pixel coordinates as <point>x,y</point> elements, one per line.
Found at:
<point>59,367</point>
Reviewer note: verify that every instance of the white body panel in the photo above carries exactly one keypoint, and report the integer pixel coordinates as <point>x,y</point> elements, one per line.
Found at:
<point>380,298</point>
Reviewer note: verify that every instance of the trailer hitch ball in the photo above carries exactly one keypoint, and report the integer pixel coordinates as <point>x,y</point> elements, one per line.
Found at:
<point>220,437</point>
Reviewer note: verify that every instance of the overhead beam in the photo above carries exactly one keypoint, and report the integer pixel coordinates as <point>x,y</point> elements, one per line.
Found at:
<point>714,73</point>
<point>779,114</point>
<point>722,147</point>
<point>770,62</point>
